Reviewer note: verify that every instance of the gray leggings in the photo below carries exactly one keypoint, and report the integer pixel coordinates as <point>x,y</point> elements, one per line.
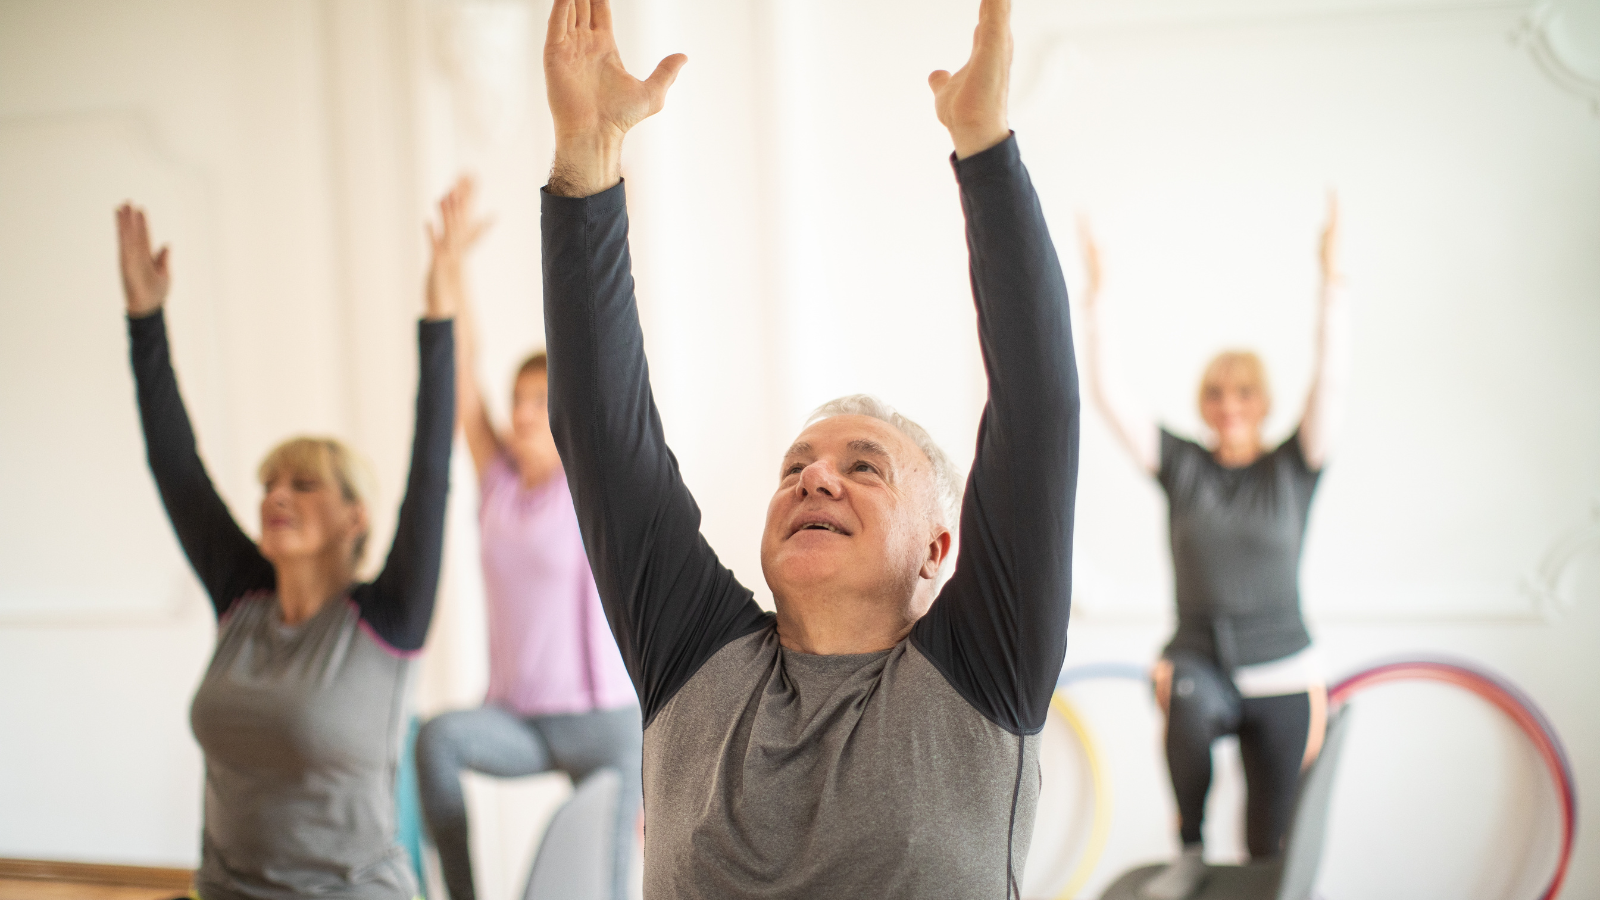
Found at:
<point>501,743</point>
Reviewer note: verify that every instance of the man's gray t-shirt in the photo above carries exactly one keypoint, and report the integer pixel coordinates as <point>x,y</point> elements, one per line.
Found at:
<point>812,776</point>
<point>1236,539</point>
<point>912,772</point>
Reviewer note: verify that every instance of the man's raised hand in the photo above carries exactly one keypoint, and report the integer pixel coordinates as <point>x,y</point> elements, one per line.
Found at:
<point>593,99</point>
<point>972,102</point>
<point>145,276</point>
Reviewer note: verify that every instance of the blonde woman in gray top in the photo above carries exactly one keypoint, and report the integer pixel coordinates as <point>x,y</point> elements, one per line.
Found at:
<point>1241,660</point>
<point>299,713</point>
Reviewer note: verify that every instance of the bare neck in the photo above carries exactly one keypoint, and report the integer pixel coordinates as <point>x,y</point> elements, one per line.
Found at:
<point>836,625</point>
<point>1238,453</point>
<point>306,585</point>
<point>535,469</point>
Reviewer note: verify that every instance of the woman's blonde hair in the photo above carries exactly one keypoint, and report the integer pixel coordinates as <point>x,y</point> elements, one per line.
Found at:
<point>1243,363</point>
<point>323,457</point>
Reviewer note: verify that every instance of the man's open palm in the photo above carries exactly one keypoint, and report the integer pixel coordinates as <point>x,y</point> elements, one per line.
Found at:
<point>972,102</point>
<point>593,99</point>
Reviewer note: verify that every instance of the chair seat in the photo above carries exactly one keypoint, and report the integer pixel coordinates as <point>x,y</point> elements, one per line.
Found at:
<point>1257,881</point>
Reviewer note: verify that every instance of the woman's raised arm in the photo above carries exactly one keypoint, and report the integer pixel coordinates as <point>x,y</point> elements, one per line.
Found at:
<point>458,232</point>
<point>399,603</point>
<point>1323,418</point>
<point>1134,427</point>
<point>223,556</point>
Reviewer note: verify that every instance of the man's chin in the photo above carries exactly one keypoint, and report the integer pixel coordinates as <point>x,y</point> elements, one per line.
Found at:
<point>807,567</point>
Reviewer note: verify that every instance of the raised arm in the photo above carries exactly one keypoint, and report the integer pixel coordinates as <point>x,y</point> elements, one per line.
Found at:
<point>223,556</point>
<point>398,605</point>
<point>998,630</point>
<point>1134,428</point>
<point>670,602</point>
<point>457,233</point>
<point>1324,415</point>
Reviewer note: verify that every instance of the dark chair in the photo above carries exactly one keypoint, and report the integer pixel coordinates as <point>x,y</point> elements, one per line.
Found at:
<point>1291,876</point>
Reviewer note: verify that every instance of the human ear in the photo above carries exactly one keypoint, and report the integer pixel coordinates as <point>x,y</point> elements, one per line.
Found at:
<point>360,521</point>
<point>938,549</point>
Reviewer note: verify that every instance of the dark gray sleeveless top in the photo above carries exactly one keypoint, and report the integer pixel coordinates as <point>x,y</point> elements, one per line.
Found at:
<point>1236,541</point>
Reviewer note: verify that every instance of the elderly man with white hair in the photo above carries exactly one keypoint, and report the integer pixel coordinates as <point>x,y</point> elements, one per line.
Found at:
<point>879,735</point>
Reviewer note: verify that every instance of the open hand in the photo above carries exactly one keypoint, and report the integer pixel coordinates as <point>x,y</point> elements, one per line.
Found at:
<point>145,277</point>
<point>593,99</point>
<point>972,102</point>
<point>458,231</point>
<point>1328,253</point>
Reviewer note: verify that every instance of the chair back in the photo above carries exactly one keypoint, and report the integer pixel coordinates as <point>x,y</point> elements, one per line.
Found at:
<point>1302,855</point>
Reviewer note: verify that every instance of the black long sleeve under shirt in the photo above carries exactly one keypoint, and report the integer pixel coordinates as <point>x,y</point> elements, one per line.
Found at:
<point>911,772</point>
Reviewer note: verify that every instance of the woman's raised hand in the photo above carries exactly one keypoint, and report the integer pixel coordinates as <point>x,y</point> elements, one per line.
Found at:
<point>593,99</point>
<point>145,276</point>
<point>458,231</point>
<point>1328,253</point>
<point>1091,262</point>
<point>972,102</point>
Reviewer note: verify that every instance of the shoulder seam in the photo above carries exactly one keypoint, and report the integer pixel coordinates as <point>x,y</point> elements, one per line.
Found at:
<point>761,622</point>
<point>1015,728</point>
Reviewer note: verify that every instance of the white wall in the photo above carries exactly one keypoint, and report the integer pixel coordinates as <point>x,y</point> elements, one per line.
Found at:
<point>225,120</point>
<point>797,236</point>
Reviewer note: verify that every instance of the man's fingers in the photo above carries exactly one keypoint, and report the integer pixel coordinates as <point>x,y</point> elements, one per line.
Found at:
<point>600,14</point>
<point>665,74</point>
<point>994,12</point>
<point>557,31</point>
<point>161,260</point>
<point>584,20</point>
<point>938,79</point>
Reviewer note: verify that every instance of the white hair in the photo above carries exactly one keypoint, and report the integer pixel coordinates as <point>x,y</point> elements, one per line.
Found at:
<point>946,478</point>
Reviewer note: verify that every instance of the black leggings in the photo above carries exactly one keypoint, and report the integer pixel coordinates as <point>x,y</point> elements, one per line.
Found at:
<point>1204,705</point>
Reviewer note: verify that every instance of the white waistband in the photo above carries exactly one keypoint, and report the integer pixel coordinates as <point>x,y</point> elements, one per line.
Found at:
<point>1293,674</point>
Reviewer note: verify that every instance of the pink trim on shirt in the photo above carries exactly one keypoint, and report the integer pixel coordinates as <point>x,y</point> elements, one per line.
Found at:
<point>383,645</point>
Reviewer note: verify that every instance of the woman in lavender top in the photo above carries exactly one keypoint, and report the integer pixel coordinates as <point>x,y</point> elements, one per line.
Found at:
<point>559,697</point>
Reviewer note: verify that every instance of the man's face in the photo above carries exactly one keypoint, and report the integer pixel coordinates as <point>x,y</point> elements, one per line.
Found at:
<point>855,514</point>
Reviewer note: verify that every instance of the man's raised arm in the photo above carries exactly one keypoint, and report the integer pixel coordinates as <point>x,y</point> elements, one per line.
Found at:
<point>670,603</point>
<point>998,630</point>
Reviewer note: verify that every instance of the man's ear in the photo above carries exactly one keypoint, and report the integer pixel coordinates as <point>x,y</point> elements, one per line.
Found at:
<point>938,549</point>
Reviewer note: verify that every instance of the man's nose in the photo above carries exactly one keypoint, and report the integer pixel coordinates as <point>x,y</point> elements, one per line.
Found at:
<point>819,477</point>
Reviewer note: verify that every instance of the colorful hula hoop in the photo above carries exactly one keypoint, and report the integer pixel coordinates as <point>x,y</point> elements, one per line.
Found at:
<point>1506,697</point>
<point>1100,789</point>
<point>1487,685</point>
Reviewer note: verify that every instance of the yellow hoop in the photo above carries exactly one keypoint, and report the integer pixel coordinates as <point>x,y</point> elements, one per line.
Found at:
<point>1101,824</point>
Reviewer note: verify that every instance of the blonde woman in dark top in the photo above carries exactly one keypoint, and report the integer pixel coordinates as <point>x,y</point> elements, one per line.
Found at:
<point>1241,660</point>
<point>300,709</point>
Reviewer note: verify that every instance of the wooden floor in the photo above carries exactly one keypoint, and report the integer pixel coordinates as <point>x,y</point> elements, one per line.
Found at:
<point>39,889</point>
<point>27,879</point>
